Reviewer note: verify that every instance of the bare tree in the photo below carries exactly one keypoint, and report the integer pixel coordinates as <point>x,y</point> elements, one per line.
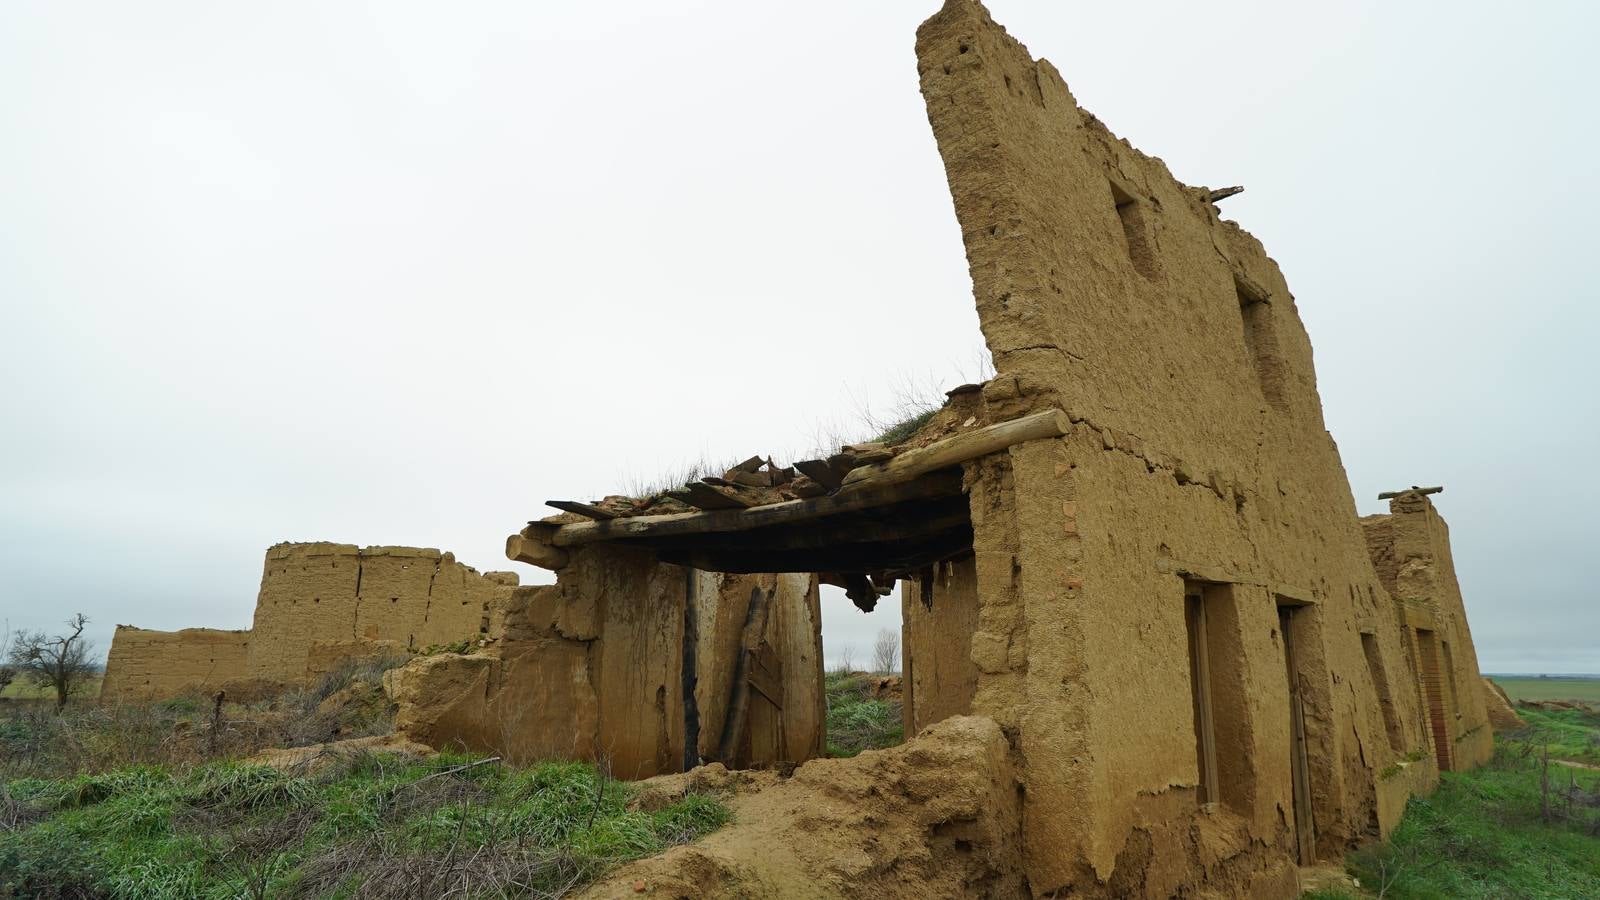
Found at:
<point>847,659</point>
<point>60,662</point>
<point>886,651</point>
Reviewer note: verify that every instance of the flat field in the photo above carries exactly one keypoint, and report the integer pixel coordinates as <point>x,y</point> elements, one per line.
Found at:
<point>1550,688</point>
<point>22,689</point>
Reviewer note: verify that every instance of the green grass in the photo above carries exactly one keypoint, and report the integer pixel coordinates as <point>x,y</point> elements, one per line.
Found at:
<point>902,431</point>
<point>856,720</point>
<point>1485,833</point>
<point>1551,688</point>
<point>373,825</point>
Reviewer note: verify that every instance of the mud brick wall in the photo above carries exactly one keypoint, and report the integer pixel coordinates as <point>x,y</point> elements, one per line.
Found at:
<point>939,613</point>
<point>402,597</point>
<point>145,664</point>
<point>1410,549</point>
<point>1199,462</point>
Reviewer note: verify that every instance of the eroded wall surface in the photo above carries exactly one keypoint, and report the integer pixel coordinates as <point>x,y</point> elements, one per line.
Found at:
<point>939,613</point>
<point>1410,548</point>
<point>144,664</point>
<point>405,597</point>
<point>1198,461</point>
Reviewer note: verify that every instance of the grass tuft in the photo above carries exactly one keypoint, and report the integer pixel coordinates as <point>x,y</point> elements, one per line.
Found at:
<point>858,721</point>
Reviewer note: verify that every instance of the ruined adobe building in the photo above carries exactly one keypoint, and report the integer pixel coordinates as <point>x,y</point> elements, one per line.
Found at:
<point>1410,547</point>
<point>1134,550</point>
<point>1150,650</point>
<point>320,603</point>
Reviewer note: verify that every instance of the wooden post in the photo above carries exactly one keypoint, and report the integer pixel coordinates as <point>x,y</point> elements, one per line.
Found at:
<point>733,725</point>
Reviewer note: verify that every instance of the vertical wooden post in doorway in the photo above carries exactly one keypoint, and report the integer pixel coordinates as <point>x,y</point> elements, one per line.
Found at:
<point>1304,828</point>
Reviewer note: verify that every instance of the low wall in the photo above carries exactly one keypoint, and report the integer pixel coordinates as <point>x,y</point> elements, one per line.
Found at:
<point>145,664</point>
<point>593,668</point>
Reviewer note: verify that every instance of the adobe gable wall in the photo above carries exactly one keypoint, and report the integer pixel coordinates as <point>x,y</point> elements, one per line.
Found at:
<point>1199,454</point>
<point>146,665</point>
<point>403,597</point>
<point>1410,548</point>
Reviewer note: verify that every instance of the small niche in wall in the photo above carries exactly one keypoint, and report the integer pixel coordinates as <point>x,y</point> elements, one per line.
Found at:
<point>1134,214</point>
<point>1261,341</point>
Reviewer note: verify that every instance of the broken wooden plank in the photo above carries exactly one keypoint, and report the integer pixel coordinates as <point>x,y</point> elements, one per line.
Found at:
<point>707,497</point>
<point>748,479</point>
<point>701,522</point>
<point>1224,193</point>
<point>1390,495</point>
<point>535,552</point>
<point>959,448</point>
<point>587,510</point>
<point>819,471</point>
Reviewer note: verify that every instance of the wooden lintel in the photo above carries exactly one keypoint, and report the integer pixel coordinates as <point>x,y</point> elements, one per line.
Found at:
<point>844,559</point>
<point>535,552</point>
<point>959,448</point>
<point>588,511</point>
<point>918,522</point>
<point>628,527</point>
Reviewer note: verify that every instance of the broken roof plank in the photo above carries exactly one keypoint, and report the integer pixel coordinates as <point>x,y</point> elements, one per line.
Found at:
<point>819,471</point>
<point>704,522</point>
<point>959,448</point>
<point>707,497</point>
<point>587,510</point>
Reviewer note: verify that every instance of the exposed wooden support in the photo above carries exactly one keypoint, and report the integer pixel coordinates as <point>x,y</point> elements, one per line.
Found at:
<point>705,522</point>
<point>766,674</point>
<point>588,511</point>
<point>1225,193</point>
<point>535,552</point>
<point>959,448</point>
<point>844,559</point>
<point>733,726</point>
<point>1390,495</point>
<point>910,522</point>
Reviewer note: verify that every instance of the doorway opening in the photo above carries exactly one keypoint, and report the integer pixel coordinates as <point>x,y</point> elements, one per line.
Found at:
<point>1291,621</point>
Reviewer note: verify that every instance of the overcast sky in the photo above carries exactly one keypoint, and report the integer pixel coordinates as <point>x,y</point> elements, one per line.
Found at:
<point>397,273</point>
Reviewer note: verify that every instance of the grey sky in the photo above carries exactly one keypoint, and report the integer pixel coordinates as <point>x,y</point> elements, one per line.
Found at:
<point>399,272</point>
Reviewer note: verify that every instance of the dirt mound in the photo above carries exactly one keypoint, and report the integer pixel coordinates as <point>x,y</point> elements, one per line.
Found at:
<point>936,817</point>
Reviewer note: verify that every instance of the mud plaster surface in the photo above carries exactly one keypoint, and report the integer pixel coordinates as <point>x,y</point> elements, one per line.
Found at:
<point>1109,289</point>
